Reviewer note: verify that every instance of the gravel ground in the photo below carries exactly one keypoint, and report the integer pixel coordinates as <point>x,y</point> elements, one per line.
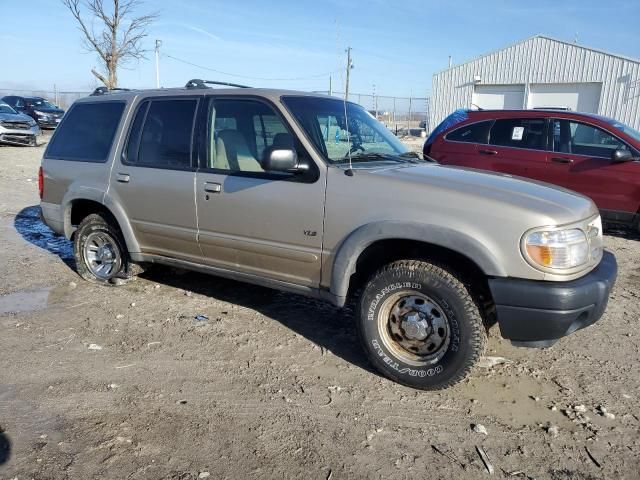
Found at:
<point>99,382</point>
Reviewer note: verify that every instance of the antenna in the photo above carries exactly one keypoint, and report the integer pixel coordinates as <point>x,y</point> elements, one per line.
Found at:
<point>349,172</point>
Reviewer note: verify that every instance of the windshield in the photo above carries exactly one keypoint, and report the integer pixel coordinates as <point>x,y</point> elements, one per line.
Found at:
<point>4,108</point>
<point>341,130</point>
<point>41,103</point>
<point>632,132</point>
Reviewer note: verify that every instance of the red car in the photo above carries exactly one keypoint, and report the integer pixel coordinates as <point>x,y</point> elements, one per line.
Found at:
<point>596,156</point>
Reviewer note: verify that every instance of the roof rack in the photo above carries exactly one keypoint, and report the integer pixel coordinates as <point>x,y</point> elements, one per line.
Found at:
<point>198,83</point>
<point>105,90</point>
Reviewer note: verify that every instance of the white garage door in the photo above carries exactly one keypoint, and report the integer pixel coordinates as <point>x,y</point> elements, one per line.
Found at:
<point>577,97</point>
<point>490,97</point>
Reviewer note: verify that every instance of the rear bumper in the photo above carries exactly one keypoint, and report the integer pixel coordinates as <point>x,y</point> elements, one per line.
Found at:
<point>51,216</point>
<point>536,314</point>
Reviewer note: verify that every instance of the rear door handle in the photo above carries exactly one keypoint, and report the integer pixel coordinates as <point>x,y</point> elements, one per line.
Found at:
<point>211,187</point>
<point>123,177</point>
<point>562,159</point>
<point>487,152</point>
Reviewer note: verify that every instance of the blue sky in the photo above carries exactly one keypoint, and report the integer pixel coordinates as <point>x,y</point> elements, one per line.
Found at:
<point>396,45</point>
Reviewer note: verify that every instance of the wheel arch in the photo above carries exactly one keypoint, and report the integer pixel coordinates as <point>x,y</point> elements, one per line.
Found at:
<point>375,244</point>
<point>78,207</point>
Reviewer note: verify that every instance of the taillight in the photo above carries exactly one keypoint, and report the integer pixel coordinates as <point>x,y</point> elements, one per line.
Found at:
<point>40,183</point>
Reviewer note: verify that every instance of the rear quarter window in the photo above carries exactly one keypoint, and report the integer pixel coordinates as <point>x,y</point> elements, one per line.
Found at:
<point>87,132</point>
<point>471,133</point>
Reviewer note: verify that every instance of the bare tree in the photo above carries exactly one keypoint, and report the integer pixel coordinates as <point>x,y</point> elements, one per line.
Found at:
<point>119,36</point>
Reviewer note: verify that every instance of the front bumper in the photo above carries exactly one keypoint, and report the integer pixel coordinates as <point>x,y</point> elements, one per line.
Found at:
<point>19,136</point>
<point>52,123</point>
<point>24,139</point>
<point>537,313</point>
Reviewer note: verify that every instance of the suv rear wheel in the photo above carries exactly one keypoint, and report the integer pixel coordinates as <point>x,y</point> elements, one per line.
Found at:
<point>100,252</point>
<point>419,325</point>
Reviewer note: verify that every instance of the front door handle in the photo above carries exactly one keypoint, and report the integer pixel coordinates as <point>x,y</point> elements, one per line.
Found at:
<point>123,177</point>
<point>487,152</point>
<point>211,187</point>
<point>562,159</point>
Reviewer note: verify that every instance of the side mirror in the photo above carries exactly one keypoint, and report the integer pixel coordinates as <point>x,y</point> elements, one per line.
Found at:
<point>619,156</point>
<point>278,159</point>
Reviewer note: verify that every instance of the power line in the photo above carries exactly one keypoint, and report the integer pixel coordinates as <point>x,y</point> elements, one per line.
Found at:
<point>320,75</point>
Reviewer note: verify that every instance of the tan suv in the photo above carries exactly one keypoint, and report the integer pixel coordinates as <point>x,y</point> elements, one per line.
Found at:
<point>312,195</point>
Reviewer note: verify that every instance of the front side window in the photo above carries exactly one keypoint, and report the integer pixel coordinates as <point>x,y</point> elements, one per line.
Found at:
<point>239,133</point>
<point>266,128</point>
<point>40,103</point>
<point>473,133</point>
<point>161,134</point>
<point>526,133</point>
<point>87,132</point>
<point>343,131</point>
<point>582,139</point>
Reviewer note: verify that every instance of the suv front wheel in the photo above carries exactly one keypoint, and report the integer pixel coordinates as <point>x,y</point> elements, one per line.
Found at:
<point>419,325</point>
<point>100,252</point>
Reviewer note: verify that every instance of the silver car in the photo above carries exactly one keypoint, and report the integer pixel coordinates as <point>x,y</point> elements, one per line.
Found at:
<point>310,194</point>
<point>16,128</point>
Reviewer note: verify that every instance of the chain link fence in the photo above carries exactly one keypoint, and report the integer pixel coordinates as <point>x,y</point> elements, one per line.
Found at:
<point>63,99</point>
<point>402,115</point>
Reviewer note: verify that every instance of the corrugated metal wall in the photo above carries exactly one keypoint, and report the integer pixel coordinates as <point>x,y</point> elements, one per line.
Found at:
<point>543,60</point>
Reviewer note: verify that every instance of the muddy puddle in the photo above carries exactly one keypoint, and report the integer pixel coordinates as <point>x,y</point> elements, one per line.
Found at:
<point>31,300</point>
<point>29,225</point>
<point>515,401</point>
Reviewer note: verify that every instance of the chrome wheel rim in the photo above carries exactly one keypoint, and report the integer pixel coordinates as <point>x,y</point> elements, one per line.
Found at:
<point>414,328</point>
<point>102,255</point>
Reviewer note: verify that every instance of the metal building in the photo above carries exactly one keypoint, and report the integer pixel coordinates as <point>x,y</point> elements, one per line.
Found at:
<point>541,72</point>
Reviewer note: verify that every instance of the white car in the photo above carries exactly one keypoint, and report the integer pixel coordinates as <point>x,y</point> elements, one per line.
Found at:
<point>16,128</point>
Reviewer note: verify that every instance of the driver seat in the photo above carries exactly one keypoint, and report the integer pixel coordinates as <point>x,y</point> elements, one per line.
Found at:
<point>232,153</point>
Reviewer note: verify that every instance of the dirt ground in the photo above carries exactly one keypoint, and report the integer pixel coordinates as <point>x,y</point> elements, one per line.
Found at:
<point>124,382</point>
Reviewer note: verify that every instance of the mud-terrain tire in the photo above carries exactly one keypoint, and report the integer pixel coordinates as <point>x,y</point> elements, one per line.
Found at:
<point>100,251</point>
<point>419,325</point>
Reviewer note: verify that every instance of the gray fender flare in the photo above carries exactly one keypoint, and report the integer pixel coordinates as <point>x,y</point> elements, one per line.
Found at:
<point>106,201</point>
<point>344,264</point>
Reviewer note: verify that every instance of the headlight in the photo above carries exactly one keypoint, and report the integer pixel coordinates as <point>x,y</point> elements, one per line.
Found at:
<point>564,250</point>
<point>40,114</point>
<point>561,249</point>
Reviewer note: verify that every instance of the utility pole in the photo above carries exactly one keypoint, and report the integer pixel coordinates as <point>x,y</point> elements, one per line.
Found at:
<point>158,45</point>
<point>330,86</point>
<point>409,120</point>
<point>375,101</point>
<point>349,67</point>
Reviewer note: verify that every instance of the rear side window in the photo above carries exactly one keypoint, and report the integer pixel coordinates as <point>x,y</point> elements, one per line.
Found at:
<point>519,133</point>
<point>473,133</point>
<point>87,132</point>
<point>161,134</point>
